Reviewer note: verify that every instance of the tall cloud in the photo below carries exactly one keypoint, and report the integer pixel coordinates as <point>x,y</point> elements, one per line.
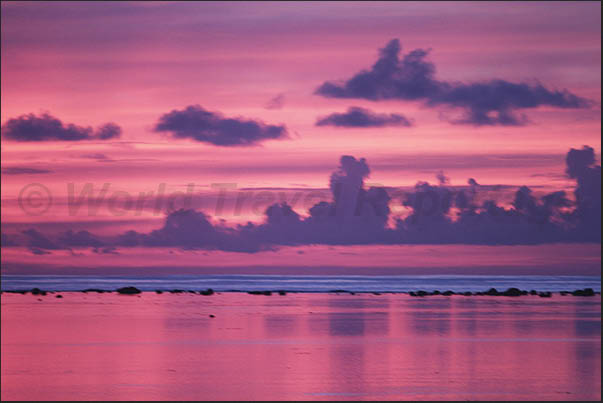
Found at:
<point>32,128</point>
<point>198,124</point>
<point>581,166</point>
<point>412,78</point>
<point>361,117</point>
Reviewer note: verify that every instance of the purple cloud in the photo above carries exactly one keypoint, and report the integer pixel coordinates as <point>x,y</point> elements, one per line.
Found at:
<point>198,124</point>
<point>361,117</point>
<point>438,214</point>
<point>24,171</point>
<point>412,78</point>
<point>32,128</point>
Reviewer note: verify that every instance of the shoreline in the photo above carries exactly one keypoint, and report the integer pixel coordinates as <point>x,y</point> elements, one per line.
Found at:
<point>491,292</point>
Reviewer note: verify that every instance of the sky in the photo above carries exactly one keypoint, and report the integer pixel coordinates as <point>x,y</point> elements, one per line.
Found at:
<point>181,135</point>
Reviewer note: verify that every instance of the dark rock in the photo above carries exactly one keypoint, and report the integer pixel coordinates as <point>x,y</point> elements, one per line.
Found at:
<point>492,291</point>
<point>93,290</point>
<point>282,293</point>
<point>422,293</point>
<point>212,316</point>
<point>412,294</point>
<point>479,293</point>
<point>209,291</point>
<point>159,291</point>
<point>512,292</point>
<point>467,294</point>
<point>58,296</point>
<point>176,291</point>
<point>37,291</point>
<point>448,293</point>
<point>436,292</point>
<point>376,293</point>
<point>587,292</point>
<point>564,293</point>
<point>128,290</point>
<point>338,291</point>
<point>545,294</point>
<point>259,292</point>
<point>533,292</point>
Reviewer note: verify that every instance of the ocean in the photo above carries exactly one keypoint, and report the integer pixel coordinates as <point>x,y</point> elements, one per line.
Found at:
<point>299,283</point>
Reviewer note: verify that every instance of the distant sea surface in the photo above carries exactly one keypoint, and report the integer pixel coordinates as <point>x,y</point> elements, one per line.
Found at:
<point>405,283</point>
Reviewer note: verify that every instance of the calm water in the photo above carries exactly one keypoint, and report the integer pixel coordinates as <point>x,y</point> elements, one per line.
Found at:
<point>299,346</point>
<point>304,283</point>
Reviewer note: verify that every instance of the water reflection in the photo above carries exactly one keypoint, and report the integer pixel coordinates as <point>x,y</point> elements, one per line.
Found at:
<point>300,346</point>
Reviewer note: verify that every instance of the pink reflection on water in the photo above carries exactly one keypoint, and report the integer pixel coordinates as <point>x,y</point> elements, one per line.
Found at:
<point>299,346</point>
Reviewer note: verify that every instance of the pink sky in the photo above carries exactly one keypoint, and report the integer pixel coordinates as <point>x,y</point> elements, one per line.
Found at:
<point>132,62</point>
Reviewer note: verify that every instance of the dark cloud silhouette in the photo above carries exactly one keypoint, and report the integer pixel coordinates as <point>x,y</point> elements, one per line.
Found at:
<point>412,78</point>
<point>8,240</point>
<point>361,117</point>
<point>191,229</point>
<point>276,103</point>
<point>24,171</point>
<point>443,179</point>
<point>30,128</point>
<point>79,239</point>
<point>108,131</point>
<point>36,239</point>
<point>187,229</point>
<point>38,251</point>
<point>581,166</point>
<point>437,214</point>
<point>198,124</point>
<point>96,156</point>
<point>106,251</point>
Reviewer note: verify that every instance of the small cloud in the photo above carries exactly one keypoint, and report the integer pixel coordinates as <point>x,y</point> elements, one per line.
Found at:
<point>38,251</point>
<point>24,171</point>
<point>442,179</point>
<point>201,125</point>
<point>361,117</point>
<point>32,128</point>
<point>276,103</point>
<point>7,240</point>
<point>95,156</point>
<point>108,131</point>
<point>106,251</point>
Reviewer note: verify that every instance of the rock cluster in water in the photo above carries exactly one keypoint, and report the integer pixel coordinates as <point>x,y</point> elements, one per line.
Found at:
<point>510,292</point>
<point>128,290</point>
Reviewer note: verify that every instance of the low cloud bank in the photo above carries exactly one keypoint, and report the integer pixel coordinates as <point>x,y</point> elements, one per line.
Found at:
<point>439,214</point>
